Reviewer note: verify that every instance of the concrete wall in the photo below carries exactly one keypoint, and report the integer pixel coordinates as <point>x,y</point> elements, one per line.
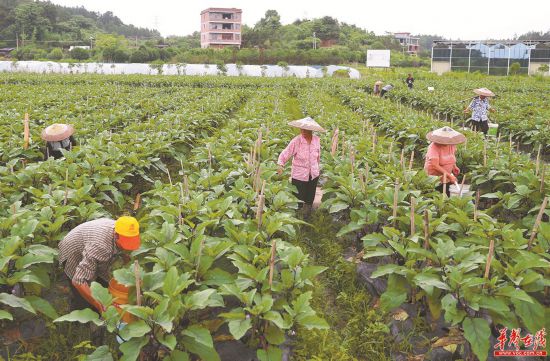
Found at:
<point>441,67</point>
<point>534,67</point>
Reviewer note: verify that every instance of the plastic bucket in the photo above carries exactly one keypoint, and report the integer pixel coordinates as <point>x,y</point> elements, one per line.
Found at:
<point>493,129</point>
<point>120,295</point>
<point>455,190</point>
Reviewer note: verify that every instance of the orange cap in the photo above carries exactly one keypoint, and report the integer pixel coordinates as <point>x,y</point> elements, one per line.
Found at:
<point>127,229</point>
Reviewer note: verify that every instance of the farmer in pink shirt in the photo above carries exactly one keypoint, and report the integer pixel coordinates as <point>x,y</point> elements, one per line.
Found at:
<point>305,150</point>
<point>440,157</point>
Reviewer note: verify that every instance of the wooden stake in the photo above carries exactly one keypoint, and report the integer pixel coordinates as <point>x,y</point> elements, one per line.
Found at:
<point>395,199</point>
<point>373,142</point>
<point>26,131</point>
<point>138,283</point>
<point>402,159</point>
<point>180,217</point>
<point>445,185</point>
<point>542,178</point>
<point>272,262</point>
<point>260,210</point>
<point>426,230</point>
<point>485,153</point>
<point>413,226</point>
<point>538,162</point>
<point>489,258</point>
<point>367,171</point>
<point>334,147</point>
<point>476,206</point>
<point>169,177</point>
<point>391,149</point>
<point>411,161</point>
<point>137,202</point>
<point>461,186</point>
<point>66,186</point>
<point>537,222</point>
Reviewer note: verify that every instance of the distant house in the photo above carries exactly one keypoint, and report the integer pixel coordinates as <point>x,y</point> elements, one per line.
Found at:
<point>409,44</point>
<point>86,47</point>
<point>221,27</point>
<point>5,52</point>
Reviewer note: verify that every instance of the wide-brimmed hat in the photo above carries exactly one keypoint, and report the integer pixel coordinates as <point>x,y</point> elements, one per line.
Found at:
<point>379,82</point>
<point>446,135</point>
<point>57,132</point>
<point>307,123</point>
<point>485,92</point>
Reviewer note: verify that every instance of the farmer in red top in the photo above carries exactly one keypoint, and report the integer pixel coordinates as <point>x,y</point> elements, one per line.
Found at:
<point>440,157</point>
<point>305,151</point>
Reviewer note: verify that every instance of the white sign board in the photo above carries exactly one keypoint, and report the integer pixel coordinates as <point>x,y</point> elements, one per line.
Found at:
<point>378,58</point>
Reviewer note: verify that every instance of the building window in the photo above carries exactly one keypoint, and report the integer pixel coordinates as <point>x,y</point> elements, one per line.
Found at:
<point>227,36</point>
<point>237,37</point>
<point>227,26</point>
<point>227,16</point>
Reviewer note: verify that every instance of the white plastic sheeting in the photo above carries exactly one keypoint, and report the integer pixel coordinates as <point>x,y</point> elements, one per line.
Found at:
<point>298,71</point>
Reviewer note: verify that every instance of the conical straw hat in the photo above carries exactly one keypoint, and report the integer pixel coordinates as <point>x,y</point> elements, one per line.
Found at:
<point>446,135</point>
<point>485,92</point>
<point>379,82</point>
<point>57,132</point>
<point>308,124</point>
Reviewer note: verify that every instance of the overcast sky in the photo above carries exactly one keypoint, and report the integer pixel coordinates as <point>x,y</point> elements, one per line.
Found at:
<point>460,19</point>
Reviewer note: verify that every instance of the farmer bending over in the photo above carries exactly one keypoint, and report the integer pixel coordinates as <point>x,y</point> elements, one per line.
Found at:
<point>57,137</point>
<point>88,251</point>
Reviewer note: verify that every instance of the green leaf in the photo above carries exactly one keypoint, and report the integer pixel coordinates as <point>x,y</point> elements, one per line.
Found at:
<point>169,341</point>
<point>30,259</point>
<point>514,294</point>
<point>5,315</point>
<point>313,321</point>
<point>83,316</point>
<point>477,332</point>
<point>309,272</point>
<point>131,349</point>
<point>200,335</point>
<point>199,300</point>
<point>238,328</point>
<point>274,317</point>
<point>170,281</point>
<point>452,313</point>
<point>530,314</point>
<point>338,206</point>
<point>102,353</point>
<point>177,355</point>
<point>42,306</point>
<point>135,329</point>
<point>494,304</point>
<point>101,294</point>
<point>26,229</point>
<point>16,302</point>
<point>274,335</point>
<point>272,354</point>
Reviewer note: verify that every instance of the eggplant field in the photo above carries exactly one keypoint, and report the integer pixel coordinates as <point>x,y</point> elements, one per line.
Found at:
<point>230,268</point>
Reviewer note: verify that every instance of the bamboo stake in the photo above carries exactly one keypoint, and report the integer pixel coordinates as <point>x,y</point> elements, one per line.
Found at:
<point>395,199</point>
<point>445,185</point>
<point>66,186</point>
<point>413,226</point>
<point>402,159</point>
<point>180,217</point>
<point>362,182</point>
<point>391,149</point>
<point>138,282</point>
<point>489,258</point>
<point>260,210</point>
<point>367,171</point>
<point>426,230</point>
<point>542,178</point>
<point>461,186</point>
<point>169,177</point>
<point>137,202</point>
<point>510,141</point>
<point>538,162</point>
<point>411,161</point>
<point>334,147</point>
<point>476,206</point>
<point>272,262</point>
<point>13,209</point>
<point>26,131</point>
<point>485,153</point>
<point>537,222</point>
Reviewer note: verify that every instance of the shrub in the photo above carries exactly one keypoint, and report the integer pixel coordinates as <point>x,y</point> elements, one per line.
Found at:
<point>80,54</point>
<point>55,54</point>
<point>515,68</point>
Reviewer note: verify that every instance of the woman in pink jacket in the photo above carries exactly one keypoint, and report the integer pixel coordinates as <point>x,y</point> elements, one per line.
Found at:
<point>305,151</point>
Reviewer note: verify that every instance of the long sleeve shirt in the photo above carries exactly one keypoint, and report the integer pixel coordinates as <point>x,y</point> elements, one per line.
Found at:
<point>305,157</point>
<point>444,155</point>
<point>88,250</point>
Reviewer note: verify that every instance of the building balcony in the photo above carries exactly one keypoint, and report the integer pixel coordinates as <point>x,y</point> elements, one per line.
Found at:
<point>222,31</point>
<point>220,20</point>
<point>223,41</point>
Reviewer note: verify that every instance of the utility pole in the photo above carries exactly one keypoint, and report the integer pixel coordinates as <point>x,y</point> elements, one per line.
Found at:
<point>17,41</point>
<point>314,41</point>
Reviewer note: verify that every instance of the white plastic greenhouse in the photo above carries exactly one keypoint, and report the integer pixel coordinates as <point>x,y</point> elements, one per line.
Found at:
<point>298,71</point>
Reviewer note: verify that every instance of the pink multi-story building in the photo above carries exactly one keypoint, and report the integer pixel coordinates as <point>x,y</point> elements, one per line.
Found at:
<point>409,43</point>
<point>221,27</point>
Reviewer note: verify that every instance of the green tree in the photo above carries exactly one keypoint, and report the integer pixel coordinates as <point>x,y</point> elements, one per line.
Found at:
<point>55,54</point>
<point>30,21</point>
<point>80,54</point>
<point>515,67</point>
<point>327,28</point>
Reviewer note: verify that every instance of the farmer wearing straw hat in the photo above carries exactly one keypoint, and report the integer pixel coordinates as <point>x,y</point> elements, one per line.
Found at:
<point>57,137</point>
<point>305,149</point>
<point>440,157</point>
<point>88,251</point>
<point>377,87</point>
<point>479,106</point>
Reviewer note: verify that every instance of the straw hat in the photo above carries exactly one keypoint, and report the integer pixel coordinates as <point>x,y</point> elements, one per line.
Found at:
<point>485,92</point>
<point>57,132</point>
<point>379,82</point>
<point>446,135</point>
<point>308,124</point>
